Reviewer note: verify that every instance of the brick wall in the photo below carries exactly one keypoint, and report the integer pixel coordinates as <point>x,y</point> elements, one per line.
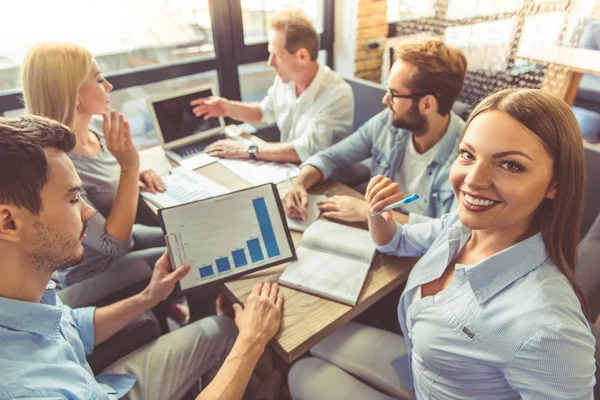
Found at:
<point>371,27</point>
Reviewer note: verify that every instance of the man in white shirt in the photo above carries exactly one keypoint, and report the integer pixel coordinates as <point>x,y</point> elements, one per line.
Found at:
<point>312,105</point>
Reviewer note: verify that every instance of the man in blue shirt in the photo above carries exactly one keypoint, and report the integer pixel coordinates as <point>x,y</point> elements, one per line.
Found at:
<point>414,142</point>
<point>43,343</point>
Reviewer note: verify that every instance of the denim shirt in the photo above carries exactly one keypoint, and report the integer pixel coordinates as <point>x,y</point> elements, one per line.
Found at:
<point>379,139</point>
<point>42,352</point>
<point>507,327</point>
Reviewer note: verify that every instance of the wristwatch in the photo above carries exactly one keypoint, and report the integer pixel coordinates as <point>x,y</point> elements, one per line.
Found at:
<point>252,151</point>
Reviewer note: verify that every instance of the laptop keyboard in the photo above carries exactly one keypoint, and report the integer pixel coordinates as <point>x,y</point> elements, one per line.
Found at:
<point>197,147</point>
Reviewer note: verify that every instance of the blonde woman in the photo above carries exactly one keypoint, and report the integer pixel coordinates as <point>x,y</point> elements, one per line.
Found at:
<point>62,81</point>
<point>492,310</point>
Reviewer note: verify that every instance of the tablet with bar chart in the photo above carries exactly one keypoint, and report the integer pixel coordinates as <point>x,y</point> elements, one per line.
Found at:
<point>229,235</point>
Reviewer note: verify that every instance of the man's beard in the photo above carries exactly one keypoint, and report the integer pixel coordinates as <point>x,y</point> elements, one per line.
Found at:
<point>54,250</point>
<point>413,121</point>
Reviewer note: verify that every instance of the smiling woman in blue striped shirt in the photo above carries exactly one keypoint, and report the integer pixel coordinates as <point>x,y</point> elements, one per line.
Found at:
<point>492,309</point>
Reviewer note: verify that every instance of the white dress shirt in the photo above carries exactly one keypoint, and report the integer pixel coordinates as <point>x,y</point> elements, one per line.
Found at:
<point>321,116</point>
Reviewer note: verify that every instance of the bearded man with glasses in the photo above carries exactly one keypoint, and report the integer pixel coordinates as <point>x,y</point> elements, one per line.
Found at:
<point>414,141</point>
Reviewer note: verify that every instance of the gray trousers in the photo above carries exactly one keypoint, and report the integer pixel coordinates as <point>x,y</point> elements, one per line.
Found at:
<point>168,367</point>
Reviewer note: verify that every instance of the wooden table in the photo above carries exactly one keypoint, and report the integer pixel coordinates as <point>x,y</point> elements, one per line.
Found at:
<point>565,68</point>
<point>307,319</point>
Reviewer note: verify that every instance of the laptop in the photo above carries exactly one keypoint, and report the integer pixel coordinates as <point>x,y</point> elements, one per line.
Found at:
<point>182,134</point>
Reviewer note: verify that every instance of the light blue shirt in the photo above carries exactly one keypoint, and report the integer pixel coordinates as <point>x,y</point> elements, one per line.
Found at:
<point>507,327</point>
<point>379,139</point>
<point>42,352</point>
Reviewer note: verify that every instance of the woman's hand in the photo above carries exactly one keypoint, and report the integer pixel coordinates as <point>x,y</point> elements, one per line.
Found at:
<point>118,141</point>
<point>151,182</point>
<point>380,193</point>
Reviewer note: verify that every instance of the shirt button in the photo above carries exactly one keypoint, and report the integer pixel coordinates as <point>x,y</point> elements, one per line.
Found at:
<point>410,335</point>
<point>436,298</point>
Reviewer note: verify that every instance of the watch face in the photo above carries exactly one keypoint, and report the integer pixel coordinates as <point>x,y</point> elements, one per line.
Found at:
<point>252,151</point>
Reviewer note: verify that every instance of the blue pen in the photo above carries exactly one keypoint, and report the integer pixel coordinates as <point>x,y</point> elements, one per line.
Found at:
<point>396,204</point>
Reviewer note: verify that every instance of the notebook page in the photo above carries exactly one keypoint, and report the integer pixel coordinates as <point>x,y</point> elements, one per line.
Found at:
<point>339,239</point>
<point>327,274</point>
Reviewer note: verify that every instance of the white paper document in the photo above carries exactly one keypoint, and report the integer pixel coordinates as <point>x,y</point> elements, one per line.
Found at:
<point>313,214</point>
<point>259,173</point>
<point>333,262</point>
<point>198,161</point>
<point>184,186</point>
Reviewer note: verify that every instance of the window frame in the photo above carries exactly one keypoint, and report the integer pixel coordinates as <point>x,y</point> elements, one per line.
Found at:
<point>227,28</point>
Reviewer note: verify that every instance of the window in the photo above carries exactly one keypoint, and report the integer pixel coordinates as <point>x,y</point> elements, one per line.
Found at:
<point>486,45</point>
<point>255,15</point>
<point>122,34</point>
<point>542,30</point>
<point>459,9</point>
<point>402,10</point>
<point>147,47</point>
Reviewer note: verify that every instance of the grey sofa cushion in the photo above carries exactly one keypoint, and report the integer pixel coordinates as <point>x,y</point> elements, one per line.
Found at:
<point>589,122</point>
<point>589,89</point>
<point>591,206</point>
<point>367,100</point>
<point>588,268</point>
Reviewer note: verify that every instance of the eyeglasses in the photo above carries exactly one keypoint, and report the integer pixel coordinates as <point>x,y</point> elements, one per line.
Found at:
<point>413,96</point>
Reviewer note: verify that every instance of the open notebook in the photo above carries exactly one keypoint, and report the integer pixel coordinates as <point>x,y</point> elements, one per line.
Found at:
<point>333,262</point>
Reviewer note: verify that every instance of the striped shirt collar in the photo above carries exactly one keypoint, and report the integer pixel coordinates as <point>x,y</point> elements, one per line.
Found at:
<point>490,276</point>
<point>41,318</point>
<point>493,274</point>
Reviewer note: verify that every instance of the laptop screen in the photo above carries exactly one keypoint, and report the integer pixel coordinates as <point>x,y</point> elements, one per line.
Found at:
<point>177,120</point>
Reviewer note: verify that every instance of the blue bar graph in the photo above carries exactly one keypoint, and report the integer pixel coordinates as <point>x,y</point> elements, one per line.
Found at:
<point>239,258</point>
<point>266,228</point>
<point>223,264</point>
<point>206,271</point>
<point>256,253</point>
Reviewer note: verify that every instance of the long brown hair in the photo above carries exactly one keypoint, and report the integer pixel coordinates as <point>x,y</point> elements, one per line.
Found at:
<point>553,122</point>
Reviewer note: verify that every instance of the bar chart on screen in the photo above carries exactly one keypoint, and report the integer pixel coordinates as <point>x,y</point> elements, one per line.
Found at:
<point>221,236</point>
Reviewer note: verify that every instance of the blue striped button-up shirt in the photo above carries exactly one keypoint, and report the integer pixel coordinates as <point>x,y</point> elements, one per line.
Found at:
<point>42,352</point>
<point>507,327</point>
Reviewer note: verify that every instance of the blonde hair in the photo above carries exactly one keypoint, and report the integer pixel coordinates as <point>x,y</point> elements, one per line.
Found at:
<point>438,69</point>
<point>553,122</point>
<point>51,74</point>
<point>299,31</point>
